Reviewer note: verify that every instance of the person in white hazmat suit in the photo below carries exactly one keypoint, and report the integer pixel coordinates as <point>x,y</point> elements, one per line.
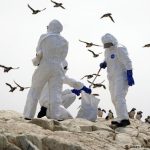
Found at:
<point>119,73</point>
<point>68,95</point>
<point>51,51</point>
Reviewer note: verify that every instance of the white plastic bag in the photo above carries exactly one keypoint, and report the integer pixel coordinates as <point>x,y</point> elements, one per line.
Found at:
<point>88,109</point>
<point>60,113</point>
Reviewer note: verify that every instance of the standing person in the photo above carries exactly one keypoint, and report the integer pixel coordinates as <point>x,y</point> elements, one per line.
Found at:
<point>51,51</point>
<point>119,73</point>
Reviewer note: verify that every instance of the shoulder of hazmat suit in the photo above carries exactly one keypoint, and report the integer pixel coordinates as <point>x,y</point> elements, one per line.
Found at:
<point>39,42</point>
<point>123,57</point>
<point>36,60</point>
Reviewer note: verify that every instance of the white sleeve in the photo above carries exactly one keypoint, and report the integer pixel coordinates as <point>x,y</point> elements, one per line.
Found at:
<point>38,48</point>
<point>124,58</point>
<point>73,83</point>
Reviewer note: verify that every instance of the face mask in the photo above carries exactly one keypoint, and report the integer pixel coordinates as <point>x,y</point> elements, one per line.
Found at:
<point>108,45</point>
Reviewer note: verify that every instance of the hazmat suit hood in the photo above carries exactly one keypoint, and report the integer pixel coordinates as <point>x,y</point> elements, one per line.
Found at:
<point>54,27</point>
<point>108,38</point>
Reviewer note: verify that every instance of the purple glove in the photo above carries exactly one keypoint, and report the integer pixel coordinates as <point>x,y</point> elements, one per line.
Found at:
<point>103,65</point>
<point>75,91</point>
<point>130,78</point>
<point>86,90</point>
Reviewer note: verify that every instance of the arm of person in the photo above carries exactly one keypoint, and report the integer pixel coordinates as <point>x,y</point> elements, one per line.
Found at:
<point>73,83</point>
<point>38,48</point>
<point>124,58</point>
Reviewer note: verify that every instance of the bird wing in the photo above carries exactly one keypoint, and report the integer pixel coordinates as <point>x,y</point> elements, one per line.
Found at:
<point>9,85</point>
<point>147,45</point>
<point>43,9</point>
<point>102,81</point>
<point>103,16</point>
<point>54,2</point>
<point>104,86</point>
<point>2,66</point>
<point>31,7</point>
<point>62,7</point>
<point>83,77</point>
<point>111,19</point>
<point>26,87</point>
<point>16,68</point>
<point>100,84</point>
<point>106,15</point>
<point>96,74</point>
<point>95,44</point>
<point>91,52</point>
<point>90,82</point>
<point>17,84</point>
<point>83,41</point>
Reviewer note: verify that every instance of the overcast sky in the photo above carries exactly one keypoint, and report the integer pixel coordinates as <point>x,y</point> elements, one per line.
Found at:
<point>20,31</point>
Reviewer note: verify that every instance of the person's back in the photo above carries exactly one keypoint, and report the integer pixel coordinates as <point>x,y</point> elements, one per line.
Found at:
<point>54,48</point>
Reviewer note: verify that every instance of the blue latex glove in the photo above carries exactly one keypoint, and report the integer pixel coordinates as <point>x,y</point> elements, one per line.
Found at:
<point>75,91</point>
<point>103,65</point>
<point>130,78</point>
<point>86,90</point>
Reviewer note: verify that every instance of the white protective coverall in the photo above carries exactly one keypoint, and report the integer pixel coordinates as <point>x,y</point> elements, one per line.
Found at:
<point>67,96</point>
<point>118,63</point>
<point>53,49</point>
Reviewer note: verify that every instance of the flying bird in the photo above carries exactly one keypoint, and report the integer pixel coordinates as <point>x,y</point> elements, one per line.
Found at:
<point>89,76</point>
<point>89,44</point>
<point>94,54</point>
<point>108,15</point>
<point>95,85</point>
<point>132,113</point>
<point>35,11</point>
<point>146,45</point>
<point>11,87</point>
<point>110,115</point>
<point>6,69</point>
<point>21,88</point>
<point>58,4</point>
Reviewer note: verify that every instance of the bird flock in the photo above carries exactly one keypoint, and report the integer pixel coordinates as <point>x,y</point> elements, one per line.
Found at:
<point>60,5</point>
<point>36,11</point>
<point>13,88</point>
